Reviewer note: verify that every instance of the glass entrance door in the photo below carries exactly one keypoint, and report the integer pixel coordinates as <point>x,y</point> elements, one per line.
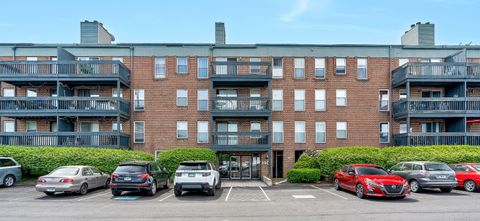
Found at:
<point>240,167</point>
<point>235,162</point>
<point>246,167</point>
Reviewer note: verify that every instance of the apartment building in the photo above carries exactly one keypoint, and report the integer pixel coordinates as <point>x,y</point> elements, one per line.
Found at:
<point>259,106</point>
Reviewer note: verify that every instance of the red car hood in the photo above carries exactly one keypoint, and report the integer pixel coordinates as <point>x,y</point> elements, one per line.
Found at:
<point>385,179</point>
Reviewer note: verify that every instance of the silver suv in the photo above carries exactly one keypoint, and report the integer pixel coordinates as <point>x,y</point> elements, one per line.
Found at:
<point>10,171</point>
<point>426,175</point>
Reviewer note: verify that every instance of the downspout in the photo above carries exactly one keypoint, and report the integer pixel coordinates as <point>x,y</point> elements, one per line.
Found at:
<point>390,118</point>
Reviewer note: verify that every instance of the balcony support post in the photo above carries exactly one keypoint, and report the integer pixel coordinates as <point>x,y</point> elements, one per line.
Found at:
<point>118,116</point>
<point>408,115</point>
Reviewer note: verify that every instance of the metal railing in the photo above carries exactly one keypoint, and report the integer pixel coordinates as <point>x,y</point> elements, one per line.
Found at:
<point>232,69</point>
<point>443,138</point>
<point>240,104</point>
<point>437,105</point>
<point>435,70</point>
<point>240,138</point>
<point>66,139</point>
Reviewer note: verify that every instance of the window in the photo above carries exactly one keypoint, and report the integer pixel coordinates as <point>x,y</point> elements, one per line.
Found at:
<point>255,69</point>
<point>160,68</point>
<point>341,67</point>
<point>182,97</point>
<point>402,61</point>
<point>7,163</point>
<point>342,130</point>
<point>9,92</point>
<point>255,130</point>
<point>277,129</point>
<point>182,65</point>
<point>320,132</point>
<point>202,132</point>
<point>383,100</point>
<point>298,154</point>
<point>202,99</point>
<point>403,128</point>
<point>319,68</point>
<point>402,94</point>
<point>277,71</point>
<point>299,100</point>
<point>320,100</point>
<point>115,128</point>
<point>299,64</point>
<point>139,99</point>
<point>362,64</point>
<point>31,92</point>
<point>116,59</point>
<point>31,126</point>
<point>202,67</point>
<point>182,129</point>
<point>384,132</point>
<point>9,126</point>
<point>139,132</point>
<point>341,97</point>
<point>53,126</point>
<point>277,100</point>
<point>299,131</point>
<point>114,92</point>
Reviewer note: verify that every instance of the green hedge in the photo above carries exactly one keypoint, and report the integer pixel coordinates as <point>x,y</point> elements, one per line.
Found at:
<point>170,159</point>
<point>41,160</point>
<point>306,161</point>
<point>303,175</point>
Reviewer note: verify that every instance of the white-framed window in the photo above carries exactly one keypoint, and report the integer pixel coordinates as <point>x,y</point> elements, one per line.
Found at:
<point>320,68</point>
<point>277,100</point>
<point>341,130</point>
<point>117,59</point>
<point>300,132</point>
<point>202,99</point>
<point>277,129</point>
<point>31,92</point>
<point>383,100</point>
<point>320,132</point>
<point>362,68</point>
<point>115,128</point>
<point>402,94</point>
<point>202,67</point>
<point>255,69</point>
<point>299,95</point>
<point>32,58</point>
<point>384,132</point>
<point>139,99</point>
<point>160,68</point>
<point>31,126</point>
<point>9,126</point>
<point>202,131</point>
<point>277,70</point>
<point>182,97</point>
<point>320,101</point>
<point>255,130</point>
<point>403,128</point>
<point>341,97</point>
<point>182,65</point>
<point>139,132</point>
<point>402,61</point>
<point>114,92</point>
<point>182,129</point>
<point>340,66</point>
<point>8,92</point>
<point>299,66</point>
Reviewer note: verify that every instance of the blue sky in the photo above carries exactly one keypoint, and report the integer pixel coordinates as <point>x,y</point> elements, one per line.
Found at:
<point>247,21</point>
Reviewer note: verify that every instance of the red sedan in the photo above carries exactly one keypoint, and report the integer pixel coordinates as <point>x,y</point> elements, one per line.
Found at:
<point>370,180</point>
<point>468,175</point>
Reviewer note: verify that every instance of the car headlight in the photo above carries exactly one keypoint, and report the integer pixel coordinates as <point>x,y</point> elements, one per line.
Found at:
<point>372,183</point>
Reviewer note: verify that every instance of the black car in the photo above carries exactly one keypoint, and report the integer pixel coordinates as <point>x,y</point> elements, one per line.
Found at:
<point>139,176</point>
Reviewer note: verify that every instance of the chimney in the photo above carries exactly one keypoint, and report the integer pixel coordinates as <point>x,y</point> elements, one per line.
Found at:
<point>93,32</point>
<point>420,34</point>
<point>220,33</point>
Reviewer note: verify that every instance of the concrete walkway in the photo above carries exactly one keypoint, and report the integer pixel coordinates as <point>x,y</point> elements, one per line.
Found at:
<point>243,183</point>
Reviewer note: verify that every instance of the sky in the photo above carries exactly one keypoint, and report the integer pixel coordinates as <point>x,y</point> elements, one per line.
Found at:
<point>247,21</point>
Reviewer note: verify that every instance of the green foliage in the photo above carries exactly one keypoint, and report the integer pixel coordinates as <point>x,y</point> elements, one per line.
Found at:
<point>170,159</point>
<point>303,175</point>
<point>306,161</point>
<point>41,160</point>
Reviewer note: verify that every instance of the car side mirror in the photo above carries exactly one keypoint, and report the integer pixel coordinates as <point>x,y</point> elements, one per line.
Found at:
<point>389,170</point>
<point>351,173</point>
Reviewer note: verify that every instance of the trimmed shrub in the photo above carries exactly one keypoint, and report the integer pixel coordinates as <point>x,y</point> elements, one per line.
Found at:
<point>303,175</point>
<point>306,161</point>
<point>41,160</point>
<point>170,159</point>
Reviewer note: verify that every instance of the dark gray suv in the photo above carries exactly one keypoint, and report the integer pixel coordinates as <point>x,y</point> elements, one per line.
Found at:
<point>426,175</point>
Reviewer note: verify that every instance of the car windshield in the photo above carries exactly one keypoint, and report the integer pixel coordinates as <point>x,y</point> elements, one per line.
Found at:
<point>65,171</point>
<point>436,167</point>
<point>476,166</point>
<point>192,166</point>
<point>371,171</point>
<point>130,169</point>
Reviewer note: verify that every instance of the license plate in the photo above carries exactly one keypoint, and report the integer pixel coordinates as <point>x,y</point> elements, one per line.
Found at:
<point>191,175</point>
<point>52,189</point>
<point>127,178</point>
<point>441,177</point>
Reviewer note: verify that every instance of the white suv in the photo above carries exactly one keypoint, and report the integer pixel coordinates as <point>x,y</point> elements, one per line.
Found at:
<point>196,175</point>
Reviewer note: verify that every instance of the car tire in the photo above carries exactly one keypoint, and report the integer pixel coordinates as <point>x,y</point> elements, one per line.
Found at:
<point>177,191</point>
<point>470,186</point>
<point>107,184</point>
<point>49,193</point>
<point>211,192</point>
<point>167,184</point>
<point>9,181</point>
<point>359,191</point>
<point>415,186</point>
<point>336,184</point>
<point>219,184</point>
<point>116,192</point>
<point>446,189</point>
<point>153,190</point>
<point>83,189</point>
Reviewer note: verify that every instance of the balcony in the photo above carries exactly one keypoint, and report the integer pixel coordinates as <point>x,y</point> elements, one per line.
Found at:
<point>66,139</point>
<point>444,138</point>
<point>435,72</point>
<point>227,73</point>
<point>18,72</point>
<point>437,107</point>
<point>64,106</point>
<point>240,107</point>
<point>240,141</point>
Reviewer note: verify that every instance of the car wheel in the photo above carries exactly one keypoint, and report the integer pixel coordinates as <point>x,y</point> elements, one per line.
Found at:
<point>177,191</point>
<point>153,189</point>
<point>49,193</point>
<point>83,189</point>
<point>8,181</point>
<point>470,186</point>
<point>359,191</point>
<point>219,184</point>
<point>116,192</point>
<point>107,184</point>
<point>415,186</point>
<point>211,192</point>
<point>336,184</point>
<point>167,184</point>
<point>446,189</point>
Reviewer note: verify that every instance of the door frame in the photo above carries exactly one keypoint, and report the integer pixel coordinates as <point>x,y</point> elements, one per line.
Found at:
<point>240,156</point>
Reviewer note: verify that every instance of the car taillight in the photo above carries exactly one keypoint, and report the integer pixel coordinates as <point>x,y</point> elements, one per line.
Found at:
<point>143,175</point>
<point>114,175</point>
<point>66,180</point>
<point>178,174</point>
<point>206,174</point>
<point>40,180</point>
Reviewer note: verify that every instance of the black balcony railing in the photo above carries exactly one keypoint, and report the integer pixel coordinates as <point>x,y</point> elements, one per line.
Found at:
<point>248,104</point>
<point>447,105</point>
<point>239,139</point>
<point>66,139</point>
<point>435,70</point>
<point>444,138</point>
<point>238,69</point>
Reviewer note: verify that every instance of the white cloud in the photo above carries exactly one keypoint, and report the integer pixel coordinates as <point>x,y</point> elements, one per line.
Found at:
<point>301,6</point>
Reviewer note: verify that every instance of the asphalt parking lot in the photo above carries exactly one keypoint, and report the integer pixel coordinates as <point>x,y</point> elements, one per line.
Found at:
<point>284,202</point>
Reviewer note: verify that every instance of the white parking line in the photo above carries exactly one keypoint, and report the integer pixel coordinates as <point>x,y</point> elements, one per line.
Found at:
<point>332,193</point>
<point>91,197</point>
<point>160,200</point>
<point>264,193</point>
<point>228,194</point>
